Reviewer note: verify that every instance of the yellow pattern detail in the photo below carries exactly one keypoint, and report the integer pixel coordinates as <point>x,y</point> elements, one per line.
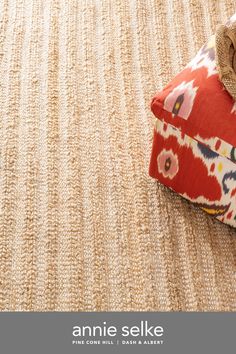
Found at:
<point>224,152</point>
<point>177,105</point>
<point>220,167</point>
<point>213,211</point>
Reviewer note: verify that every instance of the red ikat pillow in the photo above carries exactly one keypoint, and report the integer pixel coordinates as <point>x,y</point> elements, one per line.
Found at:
<point>194,142</point>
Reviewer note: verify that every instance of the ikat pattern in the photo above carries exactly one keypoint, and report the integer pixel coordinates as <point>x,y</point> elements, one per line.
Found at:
<point>194,146</point>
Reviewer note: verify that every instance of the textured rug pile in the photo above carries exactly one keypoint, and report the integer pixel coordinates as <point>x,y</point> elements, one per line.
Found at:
<point>82,225</point>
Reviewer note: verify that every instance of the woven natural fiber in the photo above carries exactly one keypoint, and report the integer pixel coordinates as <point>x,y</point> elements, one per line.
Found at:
<point>82,225</point>
<point>225,45</point>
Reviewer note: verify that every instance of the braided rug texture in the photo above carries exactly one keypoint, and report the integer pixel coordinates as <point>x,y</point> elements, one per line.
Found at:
<point>82,225</point>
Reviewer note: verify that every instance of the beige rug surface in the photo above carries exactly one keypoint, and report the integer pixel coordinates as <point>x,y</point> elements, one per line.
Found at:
<point>82,225</point>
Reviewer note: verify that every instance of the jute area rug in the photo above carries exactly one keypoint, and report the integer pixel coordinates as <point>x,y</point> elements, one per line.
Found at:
<point>82,225</point>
